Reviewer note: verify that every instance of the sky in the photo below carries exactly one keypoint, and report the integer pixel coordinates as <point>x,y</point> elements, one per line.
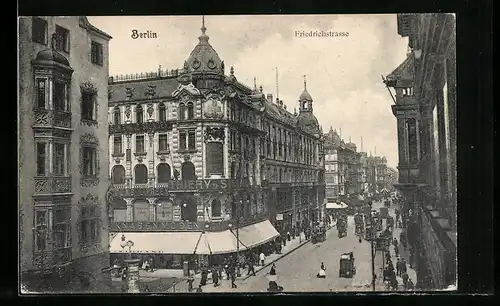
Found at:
<point>343,73</point>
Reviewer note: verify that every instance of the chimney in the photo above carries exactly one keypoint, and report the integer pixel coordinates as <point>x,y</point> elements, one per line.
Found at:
<point>270,98</point>
<point>281,103</point>
<point>277,101</point>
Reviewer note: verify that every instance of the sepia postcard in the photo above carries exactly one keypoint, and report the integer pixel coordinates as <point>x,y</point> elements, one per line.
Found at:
<point>250,154</point>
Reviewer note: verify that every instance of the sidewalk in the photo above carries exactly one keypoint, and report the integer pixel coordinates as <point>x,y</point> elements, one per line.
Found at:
<point>224,284</point>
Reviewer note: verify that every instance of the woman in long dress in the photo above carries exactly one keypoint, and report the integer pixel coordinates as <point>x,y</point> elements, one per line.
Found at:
<point>322,271</point>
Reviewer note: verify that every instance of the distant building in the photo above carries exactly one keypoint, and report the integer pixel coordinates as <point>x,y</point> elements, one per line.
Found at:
<point>425,108</point>
<point>196,158</point>
<point>63,165</point>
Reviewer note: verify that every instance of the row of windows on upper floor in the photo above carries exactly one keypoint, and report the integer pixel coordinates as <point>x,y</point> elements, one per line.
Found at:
<point>185,112</point>
<point>53,158</point>
<point>54,94</point>
<point>187,141</point>
<point>61,40</point>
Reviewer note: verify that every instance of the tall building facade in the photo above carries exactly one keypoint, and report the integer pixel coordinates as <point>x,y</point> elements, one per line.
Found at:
<point>195,153</point>
<point>63,160</point>
<point>425,108</point>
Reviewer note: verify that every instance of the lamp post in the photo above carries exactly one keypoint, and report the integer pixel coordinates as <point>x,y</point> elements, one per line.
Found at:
<point>132,266</point>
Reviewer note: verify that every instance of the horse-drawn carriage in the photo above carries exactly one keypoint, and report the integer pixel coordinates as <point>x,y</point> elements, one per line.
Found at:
<point>341,227</point>
<point>318,234</point>
<point>347,268</point>
<point>360,224</point>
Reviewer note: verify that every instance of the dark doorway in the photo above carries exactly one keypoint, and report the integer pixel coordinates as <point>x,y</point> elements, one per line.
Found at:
<point>188,208</point>
<point>216,208</point>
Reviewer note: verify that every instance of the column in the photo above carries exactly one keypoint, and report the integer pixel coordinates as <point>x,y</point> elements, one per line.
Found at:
<point>130,209</point>
<point>128,161</point>
<point>152,209</point>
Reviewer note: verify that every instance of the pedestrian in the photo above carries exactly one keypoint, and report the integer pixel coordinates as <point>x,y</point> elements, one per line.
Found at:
<point>251,269</point>
<point>226,270</point>
<point>396,251</point>
<point>262,257</point>
<point>190,283</point>
<point>233,279</point>
<point>398,267</point>
<point>403,265</point>
<point>215,277</point>
<point>405,278</point>
<point>273,270</point>
<point>395,242</point>
<point>199,290</point>
<point>204,275</point>
<point>410,285</point>
<point>288,237</point>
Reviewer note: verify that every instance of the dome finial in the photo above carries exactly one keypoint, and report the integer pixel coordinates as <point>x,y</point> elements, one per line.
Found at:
<point>203,28</point>
<point>305,82</point>
<point>255,84</point>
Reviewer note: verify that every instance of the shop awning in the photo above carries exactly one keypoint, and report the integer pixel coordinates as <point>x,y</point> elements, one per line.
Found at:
<point>220,243</point>
<point>340,205</point>
<point>256,234</point>
<point>158,242</point>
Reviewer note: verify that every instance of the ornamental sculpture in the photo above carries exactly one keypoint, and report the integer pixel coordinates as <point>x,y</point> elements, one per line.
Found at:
<point>128,111</point>
<point>129,92</point>
<point>150,91</point>
<point>150,110</point>
<point>214,134</point>
<point>213,109</point>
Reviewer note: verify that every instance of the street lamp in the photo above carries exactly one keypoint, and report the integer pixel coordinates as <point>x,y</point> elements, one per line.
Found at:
<point>132,266</point>
<point>128,244</point>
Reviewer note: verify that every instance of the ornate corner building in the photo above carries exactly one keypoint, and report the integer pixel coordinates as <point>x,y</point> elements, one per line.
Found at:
<point>425,108</point>
<point>63,145</point>
<point>193,151</point>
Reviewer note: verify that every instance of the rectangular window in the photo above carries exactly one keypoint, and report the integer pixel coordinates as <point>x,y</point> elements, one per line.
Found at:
<point>139,144</point>
<point>41,159</point>
<point>41,229</point>
<point>117,144</point>
<point>62,228</point>
<point>182,140</point>
<point>88,103</point>
<point>41,97</point>
<point>89,226</point>
<point>62,42</point>
<point>89,161</point>
<point>59,159</point>
<point>163,143</point>
<point>60,96</point>
<point>412,140</point>
<point>117,116</point>
<point>192,140</point>
<point>39,30</point>
<point>96,53</point>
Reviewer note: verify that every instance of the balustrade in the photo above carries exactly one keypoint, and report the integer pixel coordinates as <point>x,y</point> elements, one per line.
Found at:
<point>52,118</point>
<point>51,185</point>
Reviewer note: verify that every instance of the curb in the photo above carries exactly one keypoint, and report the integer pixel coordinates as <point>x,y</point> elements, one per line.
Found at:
<point>283,255</point>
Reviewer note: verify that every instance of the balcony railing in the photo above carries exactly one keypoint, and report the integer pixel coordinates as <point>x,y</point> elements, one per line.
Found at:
<point>52,185</point>
<point>52,118</point>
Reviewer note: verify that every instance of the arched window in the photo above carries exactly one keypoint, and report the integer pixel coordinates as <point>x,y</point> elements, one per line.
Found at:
<point>182,108</point>
<point>162,112</point>
<point>190,111</point>
<point>164,173</point>
<point>216,208</point>
<point>141,174</point>
<point>118,175</point>
<point>117,115</point>
<point>139,114</point>
<point>188,171</point>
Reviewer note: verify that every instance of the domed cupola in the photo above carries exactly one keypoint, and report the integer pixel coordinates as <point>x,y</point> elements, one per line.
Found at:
<point>50,58</point>
<point>306,118</point>
<point>203,58</point>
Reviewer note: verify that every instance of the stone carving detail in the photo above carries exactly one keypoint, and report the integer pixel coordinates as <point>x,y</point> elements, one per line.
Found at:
<point>187,158</point>
<point>150,110</point>
<point>129,92</point>
<point>213,109</point>
<point>42,260</point>
<point>128,112</point>
<point>89,138</point>
<point>52,118</point>
<point>48,185</point>
<point>214,134</point>
<point>88,87</point>
<point>43,117</point>
<point>150,91</point>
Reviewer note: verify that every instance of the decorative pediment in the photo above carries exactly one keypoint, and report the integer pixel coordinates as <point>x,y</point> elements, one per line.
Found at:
<point>186,89</point>
<point>88,87</point>
<point>89,138</point>
<point>89,199</point>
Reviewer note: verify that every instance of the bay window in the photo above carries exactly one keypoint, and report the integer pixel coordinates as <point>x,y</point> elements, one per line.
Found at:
<point>41,159</point>
<point>61,230</point>
<point>60,96</point>
<point>41,90</point>
<point>59,159</point>
<point>41,229</point>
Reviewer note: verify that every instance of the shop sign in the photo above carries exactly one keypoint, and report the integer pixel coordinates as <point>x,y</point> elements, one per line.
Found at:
<point>206,184</point>
<point>146,226</point>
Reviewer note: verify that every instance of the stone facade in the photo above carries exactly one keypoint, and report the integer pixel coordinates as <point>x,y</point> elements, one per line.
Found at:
<point>63,72</point>
<point>425,108</point>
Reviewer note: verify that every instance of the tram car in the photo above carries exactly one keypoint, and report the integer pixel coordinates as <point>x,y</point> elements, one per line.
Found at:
<point>319,234</point>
